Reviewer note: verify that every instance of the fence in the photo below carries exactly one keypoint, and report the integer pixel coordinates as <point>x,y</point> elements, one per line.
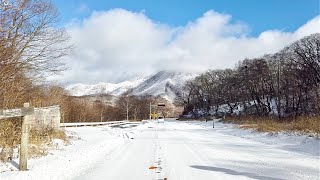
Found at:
<point>42,117</point>
<point>108,123</point>
<point>35,117</point>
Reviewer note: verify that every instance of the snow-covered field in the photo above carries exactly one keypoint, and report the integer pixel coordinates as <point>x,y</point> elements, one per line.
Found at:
<point>174,150</point>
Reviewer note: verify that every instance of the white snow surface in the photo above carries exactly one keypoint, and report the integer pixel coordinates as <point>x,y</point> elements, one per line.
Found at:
<point>177,150</point>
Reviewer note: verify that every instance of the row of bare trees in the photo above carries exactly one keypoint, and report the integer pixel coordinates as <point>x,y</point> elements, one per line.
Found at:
<point>125,107</point>
<point>285,84</point>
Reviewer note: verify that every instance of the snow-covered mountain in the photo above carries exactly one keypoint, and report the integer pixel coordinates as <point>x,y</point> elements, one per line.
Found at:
<point>164,83</point>
<point>104,88</point>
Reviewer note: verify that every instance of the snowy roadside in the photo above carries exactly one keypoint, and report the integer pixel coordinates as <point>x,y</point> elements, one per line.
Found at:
<point>298,143</point>
<point>183,146</point>
<point>88,144</point>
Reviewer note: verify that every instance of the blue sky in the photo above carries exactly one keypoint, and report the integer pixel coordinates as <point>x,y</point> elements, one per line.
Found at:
<point>117,40</point>
<point>259,15</point>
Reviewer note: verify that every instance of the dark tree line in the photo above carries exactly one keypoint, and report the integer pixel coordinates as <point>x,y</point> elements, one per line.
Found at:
<point>284,84</point>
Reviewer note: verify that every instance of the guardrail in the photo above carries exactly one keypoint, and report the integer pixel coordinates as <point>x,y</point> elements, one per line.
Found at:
<point>109,123</point>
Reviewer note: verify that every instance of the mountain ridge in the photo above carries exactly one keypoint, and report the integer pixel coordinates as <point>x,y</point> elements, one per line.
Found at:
<point>167,84</point>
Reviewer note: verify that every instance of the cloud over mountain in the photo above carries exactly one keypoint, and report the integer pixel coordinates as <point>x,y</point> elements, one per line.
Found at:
<point>116,45</point>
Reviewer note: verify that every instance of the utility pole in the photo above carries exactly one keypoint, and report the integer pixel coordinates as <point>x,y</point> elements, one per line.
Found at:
<point>127,111</point>
<point>278,84</point>
<point>150,111</point>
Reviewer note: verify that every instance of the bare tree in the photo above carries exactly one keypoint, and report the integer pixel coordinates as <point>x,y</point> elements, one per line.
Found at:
<point>29,30</point>
<point>136,112</point>
<point>125,103</point>
<point>32,46</point>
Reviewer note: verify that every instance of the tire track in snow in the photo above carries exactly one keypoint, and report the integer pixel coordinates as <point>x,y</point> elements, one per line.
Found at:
<point>159,156</point>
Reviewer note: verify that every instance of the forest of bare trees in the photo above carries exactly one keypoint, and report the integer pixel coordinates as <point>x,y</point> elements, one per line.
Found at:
<point>31,48</point>
<point>105,107</point>
<point>284,84</point>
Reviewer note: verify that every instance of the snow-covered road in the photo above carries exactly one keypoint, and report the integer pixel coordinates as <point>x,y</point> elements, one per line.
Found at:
<point>185,151</point>
<point>179,151</point>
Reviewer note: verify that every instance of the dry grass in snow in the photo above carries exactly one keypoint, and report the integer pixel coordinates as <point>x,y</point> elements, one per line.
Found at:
<point>40,140</point>
<point>302,125</point>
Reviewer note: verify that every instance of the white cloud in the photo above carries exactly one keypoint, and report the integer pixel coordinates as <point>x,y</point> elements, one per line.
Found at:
<point>118,44</point>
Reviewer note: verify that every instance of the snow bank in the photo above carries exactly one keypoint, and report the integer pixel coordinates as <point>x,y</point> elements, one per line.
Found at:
<point>88,144</point>
<point>291,142</point>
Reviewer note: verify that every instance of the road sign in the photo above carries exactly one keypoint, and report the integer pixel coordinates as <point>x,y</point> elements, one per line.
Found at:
<point>161,104</point>
<point>154,115</point>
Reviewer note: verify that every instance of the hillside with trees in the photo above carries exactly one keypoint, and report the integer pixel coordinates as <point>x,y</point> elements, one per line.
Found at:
<point>284,85</point>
